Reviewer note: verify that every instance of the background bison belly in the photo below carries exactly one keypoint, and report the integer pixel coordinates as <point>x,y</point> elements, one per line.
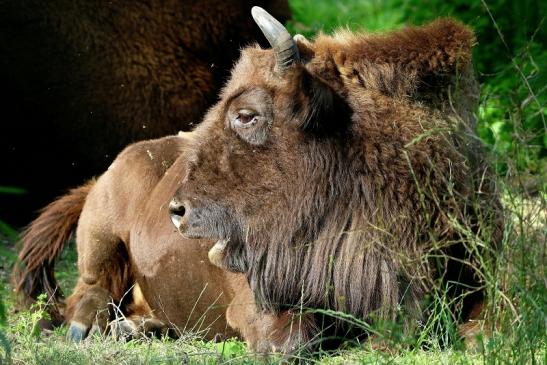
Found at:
<point>82,79</point>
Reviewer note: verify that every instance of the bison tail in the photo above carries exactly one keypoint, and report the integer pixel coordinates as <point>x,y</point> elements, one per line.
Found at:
<point>42,243</point>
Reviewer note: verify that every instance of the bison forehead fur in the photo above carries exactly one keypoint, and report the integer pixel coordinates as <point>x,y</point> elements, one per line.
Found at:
<point>343,176</point>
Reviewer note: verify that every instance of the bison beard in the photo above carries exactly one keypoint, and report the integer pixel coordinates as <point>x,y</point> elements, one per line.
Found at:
<point>355,198</point>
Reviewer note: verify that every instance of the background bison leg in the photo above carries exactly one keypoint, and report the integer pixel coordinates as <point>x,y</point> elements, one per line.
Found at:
<point>138,321</point>
<point>136,327</point>
<point>477,325</point>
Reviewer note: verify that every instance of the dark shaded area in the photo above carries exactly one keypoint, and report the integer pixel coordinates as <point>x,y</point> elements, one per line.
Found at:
<point>82,79</point>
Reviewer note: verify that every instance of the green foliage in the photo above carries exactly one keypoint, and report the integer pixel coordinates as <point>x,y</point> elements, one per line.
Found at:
<point>231,349</point>
<point>7,257</point>
<point>2,308</point>
<point>518,294</point>
<point>5,348</point>
<point>12,190</point>
<point>28,322</point>
<point>311,16</point>
<point>6,230</point>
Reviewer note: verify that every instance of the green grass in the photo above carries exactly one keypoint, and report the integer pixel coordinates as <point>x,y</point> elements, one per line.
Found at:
<point>510,59</point>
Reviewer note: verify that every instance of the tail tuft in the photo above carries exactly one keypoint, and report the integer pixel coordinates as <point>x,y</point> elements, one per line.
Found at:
<point>42,243</point>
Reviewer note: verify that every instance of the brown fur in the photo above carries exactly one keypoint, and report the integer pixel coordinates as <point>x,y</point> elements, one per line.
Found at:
<point>129,255</point>
<point>348,189</point>
<point>82,79</point>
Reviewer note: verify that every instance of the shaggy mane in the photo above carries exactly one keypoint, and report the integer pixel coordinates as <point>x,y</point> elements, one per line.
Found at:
<point>396,63</point>
<point>380,209</point>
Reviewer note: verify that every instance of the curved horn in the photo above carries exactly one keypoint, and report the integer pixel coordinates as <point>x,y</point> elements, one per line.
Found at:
<point>286,52</point>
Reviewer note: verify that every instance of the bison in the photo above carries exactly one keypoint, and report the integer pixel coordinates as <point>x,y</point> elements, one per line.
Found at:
<point>335,175</point>
<point>83,79</point>
<point>343,175</point>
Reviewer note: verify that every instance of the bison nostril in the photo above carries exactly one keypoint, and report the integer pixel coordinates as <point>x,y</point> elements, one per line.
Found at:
<point>176,211</point>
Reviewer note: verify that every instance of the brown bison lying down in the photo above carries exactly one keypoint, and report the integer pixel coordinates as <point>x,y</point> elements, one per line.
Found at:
<point>335,175</point>
<point>82,79</point>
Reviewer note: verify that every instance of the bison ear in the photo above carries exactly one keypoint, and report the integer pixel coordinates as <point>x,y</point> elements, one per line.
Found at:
<point>318,107</point>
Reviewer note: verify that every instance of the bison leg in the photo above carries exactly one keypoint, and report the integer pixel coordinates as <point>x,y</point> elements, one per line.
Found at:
<point>104,279</point>
<point>91,307</point>
<point>87,307</point>
<point>104,268</point>
<point>265,333</point>
<point>476,328</point>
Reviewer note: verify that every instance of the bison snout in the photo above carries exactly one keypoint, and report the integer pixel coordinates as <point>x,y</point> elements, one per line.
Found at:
<point>177,211</point>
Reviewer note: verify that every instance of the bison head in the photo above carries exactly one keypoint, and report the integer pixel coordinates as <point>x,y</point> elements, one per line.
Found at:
<point>329,169</point>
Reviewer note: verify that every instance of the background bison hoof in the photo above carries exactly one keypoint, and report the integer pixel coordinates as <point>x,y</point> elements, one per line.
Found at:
<point>123,330</point>
<point>126,329</point>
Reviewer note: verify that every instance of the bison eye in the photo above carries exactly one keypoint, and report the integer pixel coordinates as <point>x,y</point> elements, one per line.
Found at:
<point>251,124</point>
<point>245,118</point>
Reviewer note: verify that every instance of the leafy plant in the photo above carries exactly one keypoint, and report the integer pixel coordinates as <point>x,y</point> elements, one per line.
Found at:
<point>7,255</point>
<point>5,348</point>
<point>28,322</point>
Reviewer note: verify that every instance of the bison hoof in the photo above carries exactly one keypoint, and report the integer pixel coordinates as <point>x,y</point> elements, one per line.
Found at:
<point>122,329</point>
<point>77,332</point>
